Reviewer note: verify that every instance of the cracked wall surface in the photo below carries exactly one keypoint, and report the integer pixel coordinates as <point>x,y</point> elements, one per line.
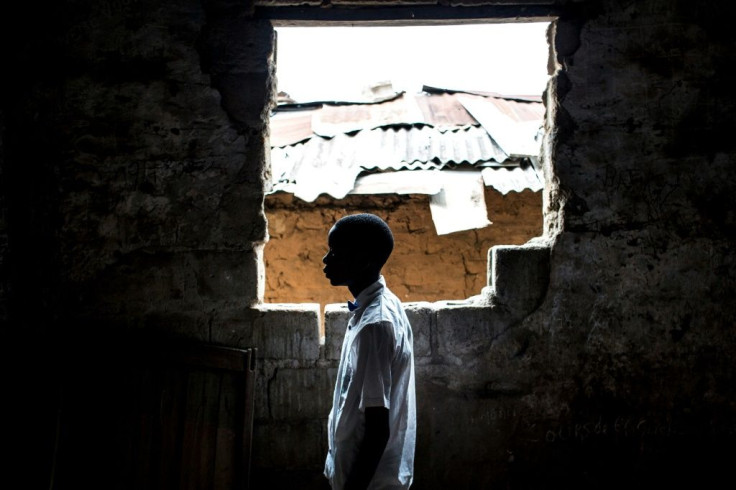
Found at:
<point>599,356</point>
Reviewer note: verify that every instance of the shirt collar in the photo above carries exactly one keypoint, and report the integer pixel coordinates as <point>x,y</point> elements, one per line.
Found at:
<point>366,294</point>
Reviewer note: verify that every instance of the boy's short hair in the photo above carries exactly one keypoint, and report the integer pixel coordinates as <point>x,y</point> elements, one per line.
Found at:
<point>368,235</point>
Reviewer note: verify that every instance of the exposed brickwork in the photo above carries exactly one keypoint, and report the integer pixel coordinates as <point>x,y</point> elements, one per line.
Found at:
<point>423,266</point>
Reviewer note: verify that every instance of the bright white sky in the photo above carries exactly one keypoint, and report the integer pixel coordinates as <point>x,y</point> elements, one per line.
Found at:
<point>333,63</point>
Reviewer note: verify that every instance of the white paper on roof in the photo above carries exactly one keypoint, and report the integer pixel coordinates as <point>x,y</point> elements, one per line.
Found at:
<point>461,204</point>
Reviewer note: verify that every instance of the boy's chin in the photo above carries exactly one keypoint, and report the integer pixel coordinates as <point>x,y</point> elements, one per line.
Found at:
<point>335,281</point>
<point>331,279</point>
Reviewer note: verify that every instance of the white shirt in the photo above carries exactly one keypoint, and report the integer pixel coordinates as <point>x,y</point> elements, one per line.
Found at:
<point>376,370</point>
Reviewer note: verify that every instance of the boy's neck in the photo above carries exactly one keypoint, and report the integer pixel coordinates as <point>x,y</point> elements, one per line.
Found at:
<point>360,284</point>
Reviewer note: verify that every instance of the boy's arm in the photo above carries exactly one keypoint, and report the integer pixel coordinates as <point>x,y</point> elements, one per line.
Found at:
<point>371,449</point>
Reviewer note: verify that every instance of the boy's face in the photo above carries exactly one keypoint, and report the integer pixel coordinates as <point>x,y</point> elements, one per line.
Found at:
<point>343,266</point>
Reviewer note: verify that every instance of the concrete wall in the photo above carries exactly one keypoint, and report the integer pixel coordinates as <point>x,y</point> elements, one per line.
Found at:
<point>597,357</point>
<point>423,266</point>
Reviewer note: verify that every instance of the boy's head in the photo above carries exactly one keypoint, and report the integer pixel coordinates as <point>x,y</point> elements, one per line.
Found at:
<point>359,246</point>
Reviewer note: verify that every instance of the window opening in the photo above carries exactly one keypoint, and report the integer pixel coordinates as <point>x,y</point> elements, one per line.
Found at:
<point>435,128</point>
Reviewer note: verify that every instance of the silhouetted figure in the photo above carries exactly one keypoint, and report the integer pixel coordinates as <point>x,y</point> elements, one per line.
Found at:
<point>372,425</point>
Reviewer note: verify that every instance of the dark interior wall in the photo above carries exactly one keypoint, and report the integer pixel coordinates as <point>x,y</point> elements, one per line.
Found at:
<point>132,201</point>
<point>133,149</point>
<point>4,265</point>
<point>632,345</point>
<point>127,183</point>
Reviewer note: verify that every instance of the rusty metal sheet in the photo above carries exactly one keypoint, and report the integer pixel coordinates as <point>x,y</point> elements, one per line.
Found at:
<point>511,124</point>
<point>332,120</point>
<point>517,110</point>
<point>444,111</point>
<point>326,148</point>
<point>291,127</point>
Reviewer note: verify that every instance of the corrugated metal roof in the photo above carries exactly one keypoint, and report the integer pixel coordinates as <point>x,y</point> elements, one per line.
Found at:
<point>522,98</point>
<point>387,149</point>
<point>325,149</point>
<point>503,179</point>
<point>514,128</point>
<point>441,110</point>
<point>516,179</point>
<point>517,110</point>
<point>291,127</point>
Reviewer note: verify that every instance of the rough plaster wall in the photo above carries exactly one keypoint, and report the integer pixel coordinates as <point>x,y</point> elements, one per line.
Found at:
<point>423,266</point>
<point>161,191</point>
<point>630,351</point>
<point>622,377</point>
<point>134,162</point>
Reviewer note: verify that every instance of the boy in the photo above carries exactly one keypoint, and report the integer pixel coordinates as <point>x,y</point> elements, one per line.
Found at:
<point>372,424</point>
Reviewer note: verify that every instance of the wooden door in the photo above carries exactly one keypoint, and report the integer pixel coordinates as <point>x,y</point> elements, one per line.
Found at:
<point>165,417</point>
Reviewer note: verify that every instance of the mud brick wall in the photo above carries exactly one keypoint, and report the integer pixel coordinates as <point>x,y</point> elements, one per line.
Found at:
<point>423,266</point>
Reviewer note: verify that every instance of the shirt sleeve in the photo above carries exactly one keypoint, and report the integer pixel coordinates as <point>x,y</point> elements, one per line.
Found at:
<point>375,353</point>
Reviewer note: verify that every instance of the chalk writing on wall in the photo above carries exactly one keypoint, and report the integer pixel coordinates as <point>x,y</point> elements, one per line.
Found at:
<point>611,427</point>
